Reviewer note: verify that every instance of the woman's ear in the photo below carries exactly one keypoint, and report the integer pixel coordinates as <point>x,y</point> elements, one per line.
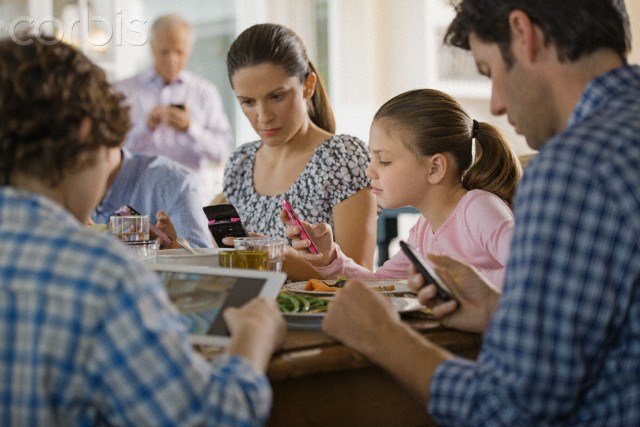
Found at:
<point>437,168</point>
<point>310,84</point>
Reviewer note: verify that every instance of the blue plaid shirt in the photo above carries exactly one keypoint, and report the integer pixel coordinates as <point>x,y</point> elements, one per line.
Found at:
<point>564,345</point>
<point>89,337</point>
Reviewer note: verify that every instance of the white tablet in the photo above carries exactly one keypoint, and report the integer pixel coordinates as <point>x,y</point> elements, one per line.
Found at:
<point>202,293</point>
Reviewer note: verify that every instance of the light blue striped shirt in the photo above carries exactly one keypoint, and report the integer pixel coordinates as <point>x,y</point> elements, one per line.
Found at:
<point>150,183</point>
<point>88,335</point>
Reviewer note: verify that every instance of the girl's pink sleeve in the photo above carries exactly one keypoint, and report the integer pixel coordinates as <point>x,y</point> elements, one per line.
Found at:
<point>395,267</point>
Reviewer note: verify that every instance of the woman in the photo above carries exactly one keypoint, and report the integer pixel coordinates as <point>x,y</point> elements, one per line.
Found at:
<point>298,156</point>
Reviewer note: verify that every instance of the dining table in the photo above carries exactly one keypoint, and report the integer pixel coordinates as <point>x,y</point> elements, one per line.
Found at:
<point>317,381</point>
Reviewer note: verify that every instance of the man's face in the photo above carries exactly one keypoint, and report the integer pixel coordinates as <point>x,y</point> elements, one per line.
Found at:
<point>520,92</point>
<point>171,48</point>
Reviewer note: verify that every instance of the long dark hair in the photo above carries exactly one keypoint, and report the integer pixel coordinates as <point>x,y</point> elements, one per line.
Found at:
<point>439,124</point>
<point>276,44</point>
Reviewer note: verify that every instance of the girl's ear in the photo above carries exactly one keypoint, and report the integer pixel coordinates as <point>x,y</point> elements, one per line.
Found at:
<point>437,168</point>
<point>310,84</point>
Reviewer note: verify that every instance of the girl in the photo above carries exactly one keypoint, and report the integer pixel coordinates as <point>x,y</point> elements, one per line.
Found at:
<point>298,157</point>
<point>423,146</point>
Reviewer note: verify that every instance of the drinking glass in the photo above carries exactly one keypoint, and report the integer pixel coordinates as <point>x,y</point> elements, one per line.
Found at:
<point>130,228</point>
<point>243,258</point>
<point>145,250</point>
<point>273,246</point>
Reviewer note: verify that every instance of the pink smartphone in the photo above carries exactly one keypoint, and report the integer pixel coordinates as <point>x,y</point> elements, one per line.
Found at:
<point>294,218</point>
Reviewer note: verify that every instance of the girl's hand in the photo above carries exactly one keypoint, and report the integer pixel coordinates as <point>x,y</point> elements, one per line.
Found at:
<point>322,236</point>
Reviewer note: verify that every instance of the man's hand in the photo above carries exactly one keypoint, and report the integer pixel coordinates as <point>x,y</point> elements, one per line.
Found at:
<point>357,317</point>
<point>155,117</point>
<point>474,299</point>
<point>175,117</point>
<point>178,118</point>
<point>164,224</point>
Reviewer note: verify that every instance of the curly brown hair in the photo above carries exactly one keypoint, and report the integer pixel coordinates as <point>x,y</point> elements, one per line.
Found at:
<point>46,89</point>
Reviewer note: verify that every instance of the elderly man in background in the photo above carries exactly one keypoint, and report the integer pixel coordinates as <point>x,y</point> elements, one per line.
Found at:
<point>175,112</point>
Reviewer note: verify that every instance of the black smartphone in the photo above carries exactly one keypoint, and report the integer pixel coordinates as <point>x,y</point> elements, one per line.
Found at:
<point>426,269</point>
<point>224,221</point>
<point>154,231</point>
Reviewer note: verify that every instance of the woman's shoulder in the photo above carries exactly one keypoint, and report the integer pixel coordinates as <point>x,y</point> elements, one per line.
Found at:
<point>344,143</point>
<point>245,152</point>
<point>345,150</point>
<point>246,149</point>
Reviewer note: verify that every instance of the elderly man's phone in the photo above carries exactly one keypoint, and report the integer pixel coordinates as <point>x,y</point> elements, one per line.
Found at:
<point>426,269</point>
<point>154,231</point>
<point>224,221</point>
<point>296,221</point>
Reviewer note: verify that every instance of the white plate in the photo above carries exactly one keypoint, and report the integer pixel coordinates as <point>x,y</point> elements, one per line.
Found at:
<point>314,320</point>
<point>206,257</point>
<point>181,252</point>
<point>400,287</point>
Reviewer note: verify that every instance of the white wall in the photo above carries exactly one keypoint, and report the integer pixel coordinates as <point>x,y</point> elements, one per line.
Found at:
<point>379,49</point>
<point>633,9</point>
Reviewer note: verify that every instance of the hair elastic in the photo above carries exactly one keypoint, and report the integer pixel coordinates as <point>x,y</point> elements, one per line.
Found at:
<point>476,128</point>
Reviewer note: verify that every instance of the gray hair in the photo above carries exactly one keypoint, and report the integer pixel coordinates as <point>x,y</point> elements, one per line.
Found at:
<point>169,22</point>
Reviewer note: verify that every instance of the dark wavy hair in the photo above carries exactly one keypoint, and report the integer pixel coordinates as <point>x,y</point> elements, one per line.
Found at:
<point>437,123</point>
<point>278,45</point>
<point>46,89</point>
<point>575,27</point>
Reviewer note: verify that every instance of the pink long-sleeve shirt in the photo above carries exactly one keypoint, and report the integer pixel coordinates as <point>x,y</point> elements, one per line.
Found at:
<point>478,232</point>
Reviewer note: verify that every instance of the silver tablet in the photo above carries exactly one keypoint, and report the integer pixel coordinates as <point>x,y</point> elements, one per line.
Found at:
<point>202,293</point>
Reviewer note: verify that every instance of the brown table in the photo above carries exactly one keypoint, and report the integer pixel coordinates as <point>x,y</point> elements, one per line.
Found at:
<point>319,382</point>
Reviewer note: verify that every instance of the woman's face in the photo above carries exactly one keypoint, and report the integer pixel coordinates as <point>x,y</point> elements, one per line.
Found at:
<point>398,176</point>
<point>274,102</point>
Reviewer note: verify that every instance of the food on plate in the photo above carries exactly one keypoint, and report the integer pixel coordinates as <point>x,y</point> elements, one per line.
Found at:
<point>318,285</point>
<point>323,286</point>
<point>290,302</point>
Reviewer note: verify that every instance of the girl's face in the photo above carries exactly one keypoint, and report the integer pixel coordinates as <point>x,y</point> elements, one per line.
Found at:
<point>398,176</point>
<point>274,102</point>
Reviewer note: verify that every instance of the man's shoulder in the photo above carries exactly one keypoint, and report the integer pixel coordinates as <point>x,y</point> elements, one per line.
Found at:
<point>159,167</point>
<point>131,81</point>
<point>201,82</point>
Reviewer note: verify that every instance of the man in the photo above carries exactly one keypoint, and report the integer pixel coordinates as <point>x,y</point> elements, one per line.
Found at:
<point>562,344</point>
<point>88,335</point>
<point>174,112</point>
<point>152,183</point>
